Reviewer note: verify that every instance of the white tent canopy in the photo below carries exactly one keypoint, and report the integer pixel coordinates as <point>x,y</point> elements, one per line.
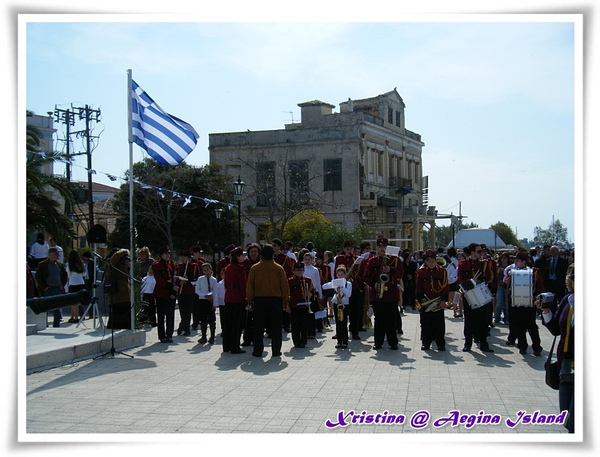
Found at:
<point>488,237</point>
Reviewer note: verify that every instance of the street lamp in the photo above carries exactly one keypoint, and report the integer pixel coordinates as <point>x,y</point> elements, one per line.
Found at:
<point>238,190</point>
<point>218,213</point>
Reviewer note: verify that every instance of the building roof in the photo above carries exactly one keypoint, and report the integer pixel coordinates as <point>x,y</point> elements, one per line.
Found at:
<point>97,187</point>
<point>488,237</point>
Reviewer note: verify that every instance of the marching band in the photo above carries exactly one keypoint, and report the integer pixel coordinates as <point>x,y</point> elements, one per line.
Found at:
<point>365,288</point>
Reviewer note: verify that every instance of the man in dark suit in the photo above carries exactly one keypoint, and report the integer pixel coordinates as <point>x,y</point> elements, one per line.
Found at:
<point>555,274</point>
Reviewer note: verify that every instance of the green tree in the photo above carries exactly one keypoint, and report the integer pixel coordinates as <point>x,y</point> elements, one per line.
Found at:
<point>43,191</point>
<point>164,213</point>
<point>556,234</point>
<point>505,233</point>
<point>302,225</point>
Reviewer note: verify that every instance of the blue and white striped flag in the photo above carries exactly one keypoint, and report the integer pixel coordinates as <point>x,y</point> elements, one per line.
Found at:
<point>165,138</point>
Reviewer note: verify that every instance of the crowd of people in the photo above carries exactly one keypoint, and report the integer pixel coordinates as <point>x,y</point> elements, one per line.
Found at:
<point>263,291</point>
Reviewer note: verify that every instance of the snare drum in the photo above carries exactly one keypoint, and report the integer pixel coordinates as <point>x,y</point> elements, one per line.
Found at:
<point>477,294</point>
<point>521,284</point>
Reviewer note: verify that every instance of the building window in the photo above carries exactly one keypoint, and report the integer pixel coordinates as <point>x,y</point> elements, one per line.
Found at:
<point>391,115</point>
<point>397,118</point>
<point>299,191</point>
<point>332,174</point>
<point>265,184</point>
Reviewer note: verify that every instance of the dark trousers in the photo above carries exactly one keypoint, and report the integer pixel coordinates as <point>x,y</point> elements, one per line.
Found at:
<point>523,321</point>
<point>355,312</point>
<point>433,328</point>
<point>566,400</point>
<point>56,313</point>
<point>186,302</point>
<point>149,309</point>
<point>476,325</point>
<point>299,319</point>
<point>267,315</point>
<point>232,326</point>
<point>206,316</point>
<point>341,327</point>
<point>196,312</point>
<point>248,328</point>
<point>165,310</point>
<point>385,323</point>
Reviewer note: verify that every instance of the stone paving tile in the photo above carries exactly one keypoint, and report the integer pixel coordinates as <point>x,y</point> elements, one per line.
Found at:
<point>192,390</point>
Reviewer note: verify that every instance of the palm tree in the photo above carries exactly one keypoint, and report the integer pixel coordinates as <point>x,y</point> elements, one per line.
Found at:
<point>44,212</point>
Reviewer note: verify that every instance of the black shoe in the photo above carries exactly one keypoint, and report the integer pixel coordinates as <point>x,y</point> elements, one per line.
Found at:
<point>424,348</point>
<point>537,353</point>
<point>169,340</point>
<point>466,349</point>
<point>509,343</point>
<point>443,348</point>
<point>211,340</point>
<point>334,337</point>
<point>338,346</point>
<point>202,340</point>
<point>377,348</point>
<point>179,331</point>
<point>163,340</point>
<point>276,354</point>
<point>487,350</point>
<point>238,351</point>
<point>400,332</point>
<point>394,347</point>
<point>256,355</point>
<point>355,337</point>
<point>344,345</point>
<point>522,351</point>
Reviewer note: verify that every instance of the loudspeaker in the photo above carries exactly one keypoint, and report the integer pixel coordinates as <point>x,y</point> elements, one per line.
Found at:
<point>97,234</point>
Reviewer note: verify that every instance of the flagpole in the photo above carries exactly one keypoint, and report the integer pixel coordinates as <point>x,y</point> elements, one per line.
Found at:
<point>131,226</point>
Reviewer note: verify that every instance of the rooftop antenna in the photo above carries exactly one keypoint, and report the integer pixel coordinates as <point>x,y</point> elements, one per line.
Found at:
<point>291,114</point>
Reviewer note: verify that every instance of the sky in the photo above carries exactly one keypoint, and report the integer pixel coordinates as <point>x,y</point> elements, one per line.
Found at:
<point>493,97</point>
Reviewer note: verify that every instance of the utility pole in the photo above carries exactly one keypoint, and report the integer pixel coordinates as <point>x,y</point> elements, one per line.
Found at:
<point>65,116</point>
<point>89,115</point>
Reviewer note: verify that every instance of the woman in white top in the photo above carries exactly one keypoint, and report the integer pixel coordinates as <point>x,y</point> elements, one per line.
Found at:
<point>76,274</point>
<point>147,291</point>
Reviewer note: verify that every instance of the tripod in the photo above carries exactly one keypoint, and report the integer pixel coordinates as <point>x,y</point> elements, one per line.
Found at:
<point>112,350</point>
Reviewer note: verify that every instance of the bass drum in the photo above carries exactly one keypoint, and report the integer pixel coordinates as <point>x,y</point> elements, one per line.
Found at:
<point>521,284</point>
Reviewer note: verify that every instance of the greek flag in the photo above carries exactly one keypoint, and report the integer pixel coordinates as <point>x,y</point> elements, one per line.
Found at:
<point>165,138</point>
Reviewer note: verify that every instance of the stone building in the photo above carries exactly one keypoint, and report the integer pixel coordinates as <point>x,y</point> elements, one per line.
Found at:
<point>359,165</point>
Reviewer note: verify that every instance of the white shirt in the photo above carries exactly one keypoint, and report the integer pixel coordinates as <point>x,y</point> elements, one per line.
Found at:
<point>148,283</point>
<point>219,294</point>
<point>313,273</point>
<point>39,251</point>
<point>206,286</point>
<point>75,279</point>
<point>345,292</point>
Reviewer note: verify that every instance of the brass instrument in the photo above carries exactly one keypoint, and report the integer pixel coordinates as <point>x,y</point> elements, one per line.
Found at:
<point>340,305</point>
<point>306,295</point>
<point>384,278</point>
<point>429,305</point>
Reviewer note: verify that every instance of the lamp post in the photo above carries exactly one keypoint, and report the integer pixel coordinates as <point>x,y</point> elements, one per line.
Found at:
<point>218,212</point>
<point>238,190</point>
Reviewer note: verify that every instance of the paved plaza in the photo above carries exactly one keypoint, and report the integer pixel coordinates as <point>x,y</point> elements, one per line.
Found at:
<point>189,389</point>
